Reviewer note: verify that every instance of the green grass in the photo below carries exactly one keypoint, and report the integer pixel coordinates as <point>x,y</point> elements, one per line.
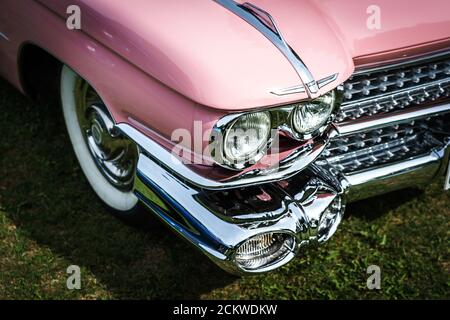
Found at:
<point>50,219</point>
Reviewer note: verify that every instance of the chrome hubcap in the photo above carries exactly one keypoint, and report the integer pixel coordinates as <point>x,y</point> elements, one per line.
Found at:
<point>114,154</point>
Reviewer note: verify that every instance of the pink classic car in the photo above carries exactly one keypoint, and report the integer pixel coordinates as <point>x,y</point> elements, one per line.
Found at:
<point>245,126</point>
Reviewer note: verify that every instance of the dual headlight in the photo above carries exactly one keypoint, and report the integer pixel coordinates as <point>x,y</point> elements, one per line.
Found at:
<point>243,140</point>
<point>310,117</point>
<point>247,137</point>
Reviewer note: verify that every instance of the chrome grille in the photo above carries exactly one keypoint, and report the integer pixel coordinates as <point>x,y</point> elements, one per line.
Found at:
<point>392,143</point>
<point>387,92</point>
<point>394,88</point>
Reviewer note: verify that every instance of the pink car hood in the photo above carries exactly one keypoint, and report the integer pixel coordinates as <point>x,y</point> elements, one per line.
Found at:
<point>208,54</point>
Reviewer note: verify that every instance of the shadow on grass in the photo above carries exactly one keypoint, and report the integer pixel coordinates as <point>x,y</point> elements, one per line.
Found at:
<point>375,207</point>
<point>46,195</point>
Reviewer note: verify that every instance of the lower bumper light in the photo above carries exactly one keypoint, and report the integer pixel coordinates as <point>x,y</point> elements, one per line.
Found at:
<point>330,220</point>
<point>264,250</point>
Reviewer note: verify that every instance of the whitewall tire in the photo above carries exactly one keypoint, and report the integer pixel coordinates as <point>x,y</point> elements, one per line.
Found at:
<point>89,128</point>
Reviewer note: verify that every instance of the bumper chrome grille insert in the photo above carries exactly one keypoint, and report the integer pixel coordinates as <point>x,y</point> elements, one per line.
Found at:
<point>392,143</point>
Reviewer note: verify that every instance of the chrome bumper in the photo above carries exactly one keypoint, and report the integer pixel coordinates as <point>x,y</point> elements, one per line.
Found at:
<point>297,206</point>
<point>384,138</point>
<point>415,172</point>
<point>299,213</point>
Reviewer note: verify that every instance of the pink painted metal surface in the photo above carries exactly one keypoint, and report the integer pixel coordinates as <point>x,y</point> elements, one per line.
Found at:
<point>404,26</point>
<point>216,59</point>
<point>128,91</point>
<point>168,63</point>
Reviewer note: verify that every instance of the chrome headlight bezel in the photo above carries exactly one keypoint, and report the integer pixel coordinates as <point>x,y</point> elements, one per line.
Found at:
<point>322,126</point>
<point>259,149</point>
<point>221,133</point>
<point>281,119</point>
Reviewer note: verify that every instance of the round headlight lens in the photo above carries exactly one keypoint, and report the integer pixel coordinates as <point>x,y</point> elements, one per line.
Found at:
<point>311,116</point>
<point>246,139</point>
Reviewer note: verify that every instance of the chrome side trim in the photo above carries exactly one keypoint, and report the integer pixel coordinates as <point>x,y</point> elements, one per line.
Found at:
<point>378,121</point>
<point>2,35</point>
<point>264,23</point>
<point>295,162</point>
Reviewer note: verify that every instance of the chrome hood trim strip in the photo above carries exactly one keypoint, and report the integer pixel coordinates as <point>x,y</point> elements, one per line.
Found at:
<point>264,23</point>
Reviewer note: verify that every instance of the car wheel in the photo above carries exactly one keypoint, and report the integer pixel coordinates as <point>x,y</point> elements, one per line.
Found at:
<point>107,158</point>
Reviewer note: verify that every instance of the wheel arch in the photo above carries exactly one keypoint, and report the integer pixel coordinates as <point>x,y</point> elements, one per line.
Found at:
<point>38,71</point>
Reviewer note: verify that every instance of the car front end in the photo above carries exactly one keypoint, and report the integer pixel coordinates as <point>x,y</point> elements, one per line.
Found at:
<point>391,131</point>
<point>246,127</point>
